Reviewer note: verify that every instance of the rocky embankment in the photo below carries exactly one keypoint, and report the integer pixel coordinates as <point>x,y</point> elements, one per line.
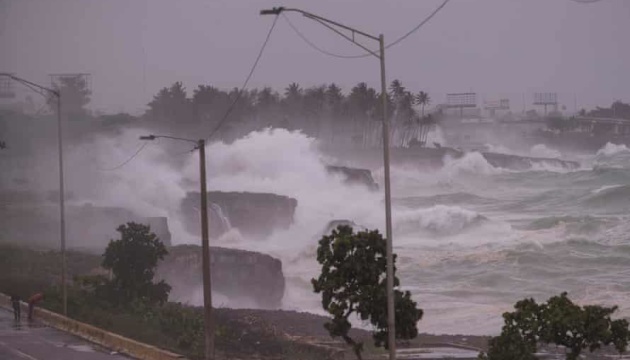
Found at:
<point>514,162</point>
<point>239,278</point>
<point>255,215</point>
<point>434,158</point>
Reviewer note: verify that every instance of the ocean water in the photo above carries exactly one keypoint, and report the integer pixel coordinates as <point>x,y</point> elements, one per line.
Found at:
<point>472,239</point>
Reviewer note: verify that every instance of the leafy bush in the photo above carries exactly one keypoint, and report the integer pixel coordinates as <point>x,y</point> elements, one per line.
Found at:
<point>353,281</point>
<point>133,260</point>
<point>559,322</point>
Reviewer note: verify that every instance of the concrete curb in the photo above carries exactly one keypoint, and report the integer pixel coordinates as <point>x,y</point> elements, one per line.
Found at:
<point>96,335</point>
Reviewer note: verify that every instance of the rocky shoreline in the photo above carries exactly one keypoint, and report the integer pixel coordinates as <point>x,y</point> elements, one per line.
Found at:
<point>308,330</point>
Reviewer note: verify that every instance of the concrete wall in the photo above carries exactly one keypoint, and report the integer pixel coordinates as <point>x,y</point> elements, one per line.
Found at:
<point>96,335</point>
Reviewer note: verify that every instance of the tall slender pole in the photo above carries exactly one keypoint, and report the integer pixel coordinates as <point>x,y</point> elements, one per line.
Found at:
<point>62,209</point>
<point>205,247</point>
<point>391,316</point>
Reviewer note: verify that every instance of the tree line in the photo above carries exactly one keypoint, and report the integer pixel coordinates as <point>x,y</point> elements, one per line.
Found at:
<point>310,109</point>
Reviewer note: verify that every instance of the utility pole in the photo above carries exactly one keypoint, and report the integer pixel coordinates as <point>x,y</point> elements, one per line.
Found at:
<point>205,247</point>
<point>205,244</point>
<point>333,25</point>
<point>391,315</point>
<point>62,208</point>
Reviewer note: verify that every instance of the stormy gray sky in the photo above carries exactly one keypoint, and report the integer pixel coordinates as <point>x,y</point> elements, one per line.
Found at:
<point>495,47</point>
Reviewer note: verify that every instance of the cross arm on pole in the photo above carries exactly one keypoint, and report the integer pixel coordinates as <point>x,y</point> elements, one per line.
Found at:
<point>330,24</point>
<point>153,137</point>
<point>29,83</point>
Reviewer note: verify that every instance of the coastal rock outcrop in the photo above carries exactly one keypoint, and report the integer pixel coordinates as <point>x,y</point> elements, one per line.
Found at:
<point>255,215</point>
<point>244,278</point>
<point>354,176</point>
<point>515,162</point>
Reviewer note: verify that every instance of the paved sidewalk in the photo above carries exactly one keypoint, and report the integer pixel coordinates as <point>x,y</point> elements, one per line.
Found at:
<point>35,341</point>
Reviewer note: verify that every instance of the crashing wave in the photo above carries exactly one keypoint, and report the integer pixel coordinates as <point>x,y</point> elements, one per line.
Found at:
<point>611,149</point>
<point>499,149</point>
<point>541,151</point>
<point>438,220</point>
<point>473,162</point>
<point>572,224</point>
<point>614,198</point>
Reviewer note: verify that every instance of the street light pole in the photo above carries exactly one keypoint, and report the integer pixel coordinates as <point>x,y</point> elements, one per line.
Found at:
<point>391,315</point>
<point>62,207</point>
<point>205,245</point>
<point>62,210</point>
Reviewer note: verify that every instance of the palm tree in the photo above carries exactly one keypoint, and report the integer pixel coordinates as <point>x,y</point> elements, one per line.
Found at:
<point>206,100</point>
<point>315,99</point>
<point>267,99</point>
<point>171,105</point>
<point>362,100</point>
<point>422,99</point>
<point>397,90</point>
<point>293,93</point>
<point>293,104</point>
<point>334,99</point>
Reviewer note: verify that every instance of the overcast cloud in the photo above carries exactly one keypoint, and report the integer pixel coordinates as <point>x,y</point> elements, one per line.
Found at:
<point>495,47</point>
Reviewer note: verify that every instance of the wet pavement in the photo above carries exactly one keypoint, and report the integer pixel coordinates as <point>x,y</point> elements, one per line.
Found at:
<point>34,341</point>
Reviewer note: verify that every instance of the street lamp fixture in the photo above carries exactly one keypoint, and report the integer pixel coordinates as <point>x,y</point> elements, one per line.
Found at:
<point>62,207</point>
<point>205,244</point>
<point>334,26</point>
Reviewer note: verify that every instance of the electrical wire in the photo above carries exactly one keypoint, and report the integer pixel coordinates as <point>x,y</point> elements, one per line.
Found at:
<point>240,92</point>
<point>128,160</point>
<point>395,42</point>
<point>39,91</point>
<point>426,20</point>
<point>311,44</point>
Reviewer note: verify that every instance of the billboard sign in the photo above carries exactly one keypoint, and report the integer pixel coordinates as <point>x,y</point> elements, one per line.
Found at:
<point>503,104</point>
<point>461,100</point>
<point>545,98</point>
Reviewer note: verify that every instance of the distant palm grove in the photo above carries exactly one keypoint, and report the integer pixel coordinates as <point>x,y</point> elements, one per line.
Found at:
<point>320,111</point>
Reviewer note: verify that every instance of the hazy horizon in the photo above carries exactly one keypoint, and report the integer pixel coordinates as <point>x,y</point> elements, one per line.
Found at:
<point>498,48</point>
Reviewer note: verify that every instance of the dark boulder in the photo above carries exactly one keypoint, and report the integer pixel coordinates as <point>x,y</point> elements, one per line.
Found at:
<point>241,276</point>
<point>515,162</point>
<point>354,176</point>
<point>255,215</point>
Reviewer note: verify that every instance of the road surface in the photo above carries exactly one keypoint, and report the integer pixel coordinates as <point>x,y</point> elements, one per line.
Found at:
<point>35,341</point>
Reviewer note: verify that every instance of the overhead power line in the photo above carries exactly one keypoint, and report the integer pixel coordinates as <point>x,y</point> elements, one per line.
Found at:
<point>227,113</point>
<point>426,20</point>
<point>312,44</point>
<point>395,42</point>
<point>240,92</point>
<point>128,160</point>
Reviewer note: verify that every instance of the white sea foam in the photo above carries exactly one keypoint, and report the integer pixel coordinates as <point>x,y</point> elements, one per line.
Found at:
<point>438,220</point>
<point>470,163</point>
<point>499,149</point>
<point>611,149</point>
<point>550,166</point>
<point>605,187</point>
<point>542,151</point>
<point>436,136</point>
<point>465,249</point>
